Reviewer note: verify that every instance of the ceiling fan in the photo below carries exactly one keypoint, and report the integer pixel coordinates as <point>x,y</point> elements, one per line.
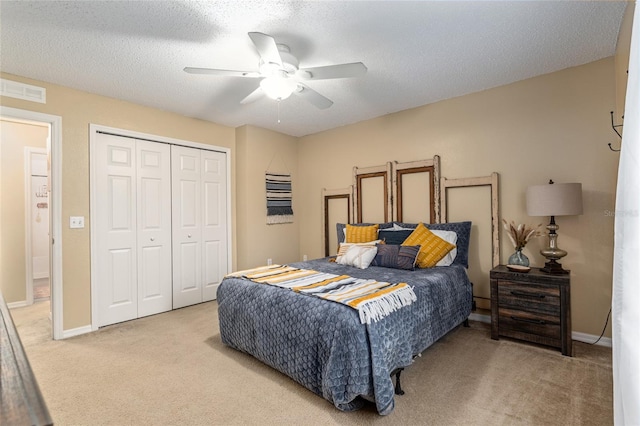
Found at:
<point>280,75</point>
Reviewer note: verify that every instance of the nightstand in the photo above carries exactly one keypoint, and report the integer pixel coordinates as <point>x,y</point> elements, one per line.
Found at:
<point>533,306</point>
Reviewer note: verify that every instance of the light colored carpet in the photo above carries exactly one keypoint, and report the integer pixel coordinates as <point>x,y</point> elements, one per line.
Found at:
<point>173,369</point>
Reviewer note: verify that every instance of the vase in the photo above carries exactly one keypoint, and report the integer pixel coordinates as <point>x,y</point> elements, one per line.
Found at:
<point>518,258</point>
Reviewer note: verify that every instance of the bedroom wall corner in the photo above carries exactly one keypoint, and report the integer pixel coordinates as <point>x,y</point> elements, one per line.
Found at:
<point>260,150</point>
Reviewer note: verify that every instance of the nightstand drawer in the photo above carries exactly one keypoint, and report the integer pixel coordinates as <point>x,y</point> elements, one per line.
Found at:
<point>529,297</point>
<point>518,321</point>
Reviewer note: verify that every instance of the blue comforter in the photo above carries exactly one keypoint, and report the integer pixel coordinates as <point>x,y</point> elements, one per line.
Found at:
<point>323,346</point>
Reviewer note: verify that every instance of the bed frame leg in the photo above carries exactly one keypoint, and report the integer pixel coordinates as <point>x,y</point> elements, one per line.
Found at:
<point>398,389</point>
<point>466,323</point>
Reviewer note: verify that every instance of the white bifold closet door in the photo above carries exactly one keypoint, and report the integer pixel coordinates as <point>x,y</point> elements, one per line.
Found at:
<point>199,224</point>
<point>133,228</point>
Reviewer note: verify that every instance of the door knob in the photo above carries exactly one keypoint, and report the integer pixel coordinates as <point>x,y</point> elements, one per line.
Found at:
<point>189,236</point>
<point>153,239</point>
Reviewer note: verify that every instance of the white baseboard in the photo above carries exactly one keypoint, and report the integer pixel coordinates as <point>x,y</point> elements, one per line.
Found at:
<point>20,304</point>
<point>575,335</point>
<point>590,338</point>
<point>76,331</point>
<point>480,318</point>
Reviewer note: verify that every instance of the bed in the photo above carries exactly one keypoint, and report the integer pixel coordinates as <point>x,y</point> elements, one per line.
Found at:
<point>323,345</point>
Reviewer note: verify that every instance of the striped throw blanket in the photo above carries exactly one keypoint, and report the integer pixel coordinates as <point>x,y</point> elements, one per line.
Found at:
<point>372,299</point>
<point>279,209</point>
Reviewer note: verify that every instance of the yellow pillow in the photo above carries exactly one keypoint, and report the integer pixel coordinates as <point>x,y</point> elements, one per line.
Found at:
<point>361,234</point>
<point>432,247</point>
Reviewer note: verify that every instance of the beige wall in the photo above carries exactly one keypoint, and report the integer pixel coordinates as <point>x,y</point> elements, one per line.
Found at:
<point>14,138</point>
<point>555,126</point>
<point>78,109</point>
<point>260,150</point>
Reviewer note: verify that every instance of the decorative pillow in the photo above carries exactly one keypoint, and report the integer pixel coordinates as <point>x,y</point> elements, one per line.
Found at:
<point>462,229</point>
<point>432,247</point>
<point>397,227</point>
<point>341,229</point>
<point>396,256</point>
<point>359,256</point>
<point>345,246</point>
<point>361,234</point>
<point>450,237</point>
<point>391,236</point>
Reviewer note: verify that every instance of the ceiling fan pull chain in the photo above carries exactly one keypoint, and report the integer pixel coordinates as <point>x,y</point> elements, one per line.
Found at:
<point>278,111</point>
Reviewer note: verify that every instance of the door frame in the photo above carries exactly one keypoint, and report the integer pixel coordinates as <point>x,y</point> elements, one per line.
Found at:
<point>28,214</point>
<point>93,129</point>
<point>55,208</point>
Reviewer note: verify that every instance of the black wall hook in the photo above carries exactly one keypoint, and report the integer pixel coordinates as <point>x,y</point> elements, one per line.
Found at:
<point>615,129</point>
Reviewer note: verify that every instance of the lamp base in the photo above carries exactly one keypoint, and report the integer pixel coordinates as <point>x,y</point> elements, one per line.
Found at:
<point>554,268</point>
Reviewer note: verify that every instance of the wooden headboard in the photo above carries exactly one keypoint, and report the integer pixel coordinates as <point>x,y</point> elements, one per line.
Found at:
<point>383,194</point>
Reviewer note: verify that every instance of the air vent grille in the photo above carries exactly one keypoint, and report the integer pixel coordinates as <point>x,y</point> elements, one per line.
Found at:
<point>27,92</point>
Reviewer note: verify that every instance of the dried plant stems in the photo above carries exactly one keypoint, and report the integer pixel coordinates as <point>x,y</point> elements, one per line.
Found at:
<point>520,234</point>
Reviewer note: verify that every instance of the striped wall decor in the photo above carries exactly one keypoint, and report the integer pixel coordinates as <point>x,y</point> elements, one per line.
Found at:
<point>279,198</point>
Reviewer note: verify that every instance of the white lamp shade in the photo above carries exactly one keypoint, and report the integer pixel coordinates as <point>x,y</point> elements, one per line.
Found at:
<point>557,199</point>
<point>278,87</point>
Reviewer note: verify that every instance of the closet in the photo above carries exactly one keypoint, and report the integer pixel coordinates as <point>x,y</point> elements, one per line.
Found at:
<point>158,226</point>
<point>199,224</point>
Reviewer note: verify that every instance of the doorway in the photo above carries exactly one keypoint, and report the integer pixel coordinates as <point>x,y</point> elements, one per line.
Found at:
<point>36,207</point>
<point>53,205</point>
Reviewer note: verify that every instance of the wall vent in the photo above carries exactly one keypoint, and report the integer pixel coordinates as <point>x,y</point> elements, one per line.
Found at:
<point>27,92</point>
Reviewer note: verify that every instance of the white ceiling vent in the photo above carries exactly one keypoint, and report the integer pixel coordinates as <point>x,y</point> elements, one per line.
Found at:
<point>13,89</point>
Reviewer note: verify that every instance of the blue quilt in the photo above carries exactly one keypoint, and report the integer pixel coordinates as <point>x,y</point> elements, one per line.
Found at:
<point>323,346</point>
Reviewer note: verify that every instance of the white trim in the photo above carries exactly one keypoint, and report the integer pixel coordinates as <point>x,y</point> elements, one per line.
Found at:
<point>480,318</point>
<point>590,338</point>
<point>575,335</point>
<point>20,304</point>
<point>28,258</point>
<point>55,208</point>
<point>93,129</point>
<point>77,331</point>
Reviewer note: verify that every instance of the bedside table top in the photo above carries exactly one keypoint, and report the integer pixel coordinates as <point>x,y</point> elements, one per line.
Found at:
<point>535,274</point>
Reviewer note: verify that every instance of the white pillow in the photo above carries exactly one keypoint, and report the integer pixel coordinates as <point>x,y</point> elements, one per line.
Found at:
<point>345,246</point>
<point>450,237</point>
<point>397,227</point>
<point>359,256</point>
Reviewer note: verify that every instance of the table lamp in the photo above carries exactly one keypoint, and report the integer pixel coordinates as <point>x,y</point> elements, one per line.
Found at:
<point>554,199</point>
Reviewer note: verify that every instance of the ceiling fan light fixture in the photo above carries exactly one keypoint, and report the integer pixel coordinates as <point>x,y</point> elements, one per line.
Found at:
<point>278,88</point>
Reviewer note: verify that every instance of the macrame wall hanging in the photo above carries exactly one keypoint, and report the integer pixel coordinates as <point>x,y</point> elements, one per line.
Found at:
<point>278,185</point>
<point>279,208</point>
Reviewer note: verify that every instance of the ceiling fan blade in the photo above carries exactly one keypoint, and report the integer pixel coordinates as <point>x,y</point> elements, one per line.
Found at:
<point>267,48</point>
<point>312,96</point>
<point>355,69</point>
<point>253,96</point>
<point>224,73</point>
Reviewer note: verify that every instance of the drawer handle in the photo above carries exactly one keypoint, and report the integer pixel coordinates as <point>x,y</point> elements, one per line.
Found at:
<point>523,294</point>
<point>532,321</point>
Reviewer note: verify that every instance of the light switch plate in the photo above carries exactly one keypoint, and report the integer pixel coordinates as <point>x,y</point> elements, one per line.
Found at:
<point>76,222</point>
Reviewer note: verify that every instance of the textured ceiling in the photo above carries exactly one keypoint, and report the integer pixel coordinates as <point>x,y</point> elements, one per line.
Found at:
<point>416,52</point>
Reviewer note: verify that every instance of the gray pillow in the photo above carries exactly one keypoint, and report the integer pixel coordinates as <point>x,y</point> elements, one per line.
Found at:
<point>396,256</point>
